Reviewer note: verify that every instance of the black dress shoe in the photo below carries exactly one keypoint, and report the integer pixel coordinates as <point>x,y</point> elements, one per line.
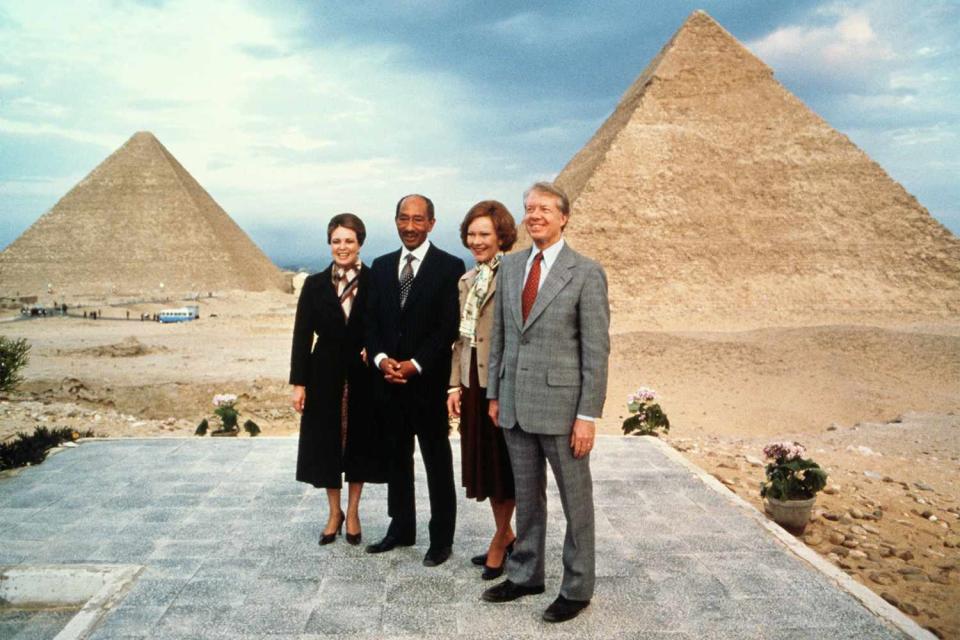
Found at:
<point>387,544</point>
<point>563,609</point>
<point>436,556</point>
<point>327,538</point>
<point>481,560</point>
<point>354,538</point>
<point>507,591</point>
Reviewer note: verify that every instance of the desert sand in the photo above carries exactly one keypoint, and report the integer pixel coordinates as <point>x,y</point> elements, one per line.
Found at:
<point>877,406</point>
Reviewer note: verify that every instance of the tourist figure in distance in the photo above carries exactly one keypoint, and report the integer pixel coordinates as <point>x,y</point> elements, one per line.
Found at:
<point>548,378</point>
<point>487,230</point>
<point>411,325</point>
<point>332,384</point>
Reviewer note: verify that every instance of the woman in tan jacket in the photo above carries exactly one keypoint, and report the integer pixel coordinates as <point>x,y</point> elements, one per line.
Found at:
<point>487,230</point>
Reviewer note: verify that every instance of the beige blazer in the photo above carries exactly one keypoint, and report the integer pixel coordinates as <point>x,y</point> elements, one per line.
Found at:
<point>460,367</point>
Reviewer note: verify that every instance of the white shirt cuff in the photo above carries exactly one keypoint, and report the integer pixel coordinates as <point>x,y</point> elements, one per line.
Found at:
<point>587,418</point>
<point>417,365</point>
<point>377,359</point>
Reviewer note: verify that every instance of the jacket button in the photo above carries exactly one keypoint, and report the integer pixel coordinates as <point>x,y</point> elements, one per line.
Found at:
<point>479,339</point>
<point>479,364</point>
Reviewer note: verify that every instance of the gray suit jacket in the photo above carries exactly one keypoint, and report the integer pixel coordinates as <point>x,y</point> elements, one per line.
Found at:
<point>547,370</point>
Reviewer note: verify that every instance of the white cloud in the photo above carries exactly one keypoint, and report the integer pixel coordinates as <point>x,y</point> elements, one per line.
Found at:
<point>260,118</point>
<point>848,47</point>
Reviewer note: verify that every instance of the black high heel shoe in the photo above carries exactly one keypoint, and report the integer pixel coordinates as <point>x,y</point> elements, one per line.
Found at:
<point>327,538</point>
<point>481,560</point>
<point>354,538</point>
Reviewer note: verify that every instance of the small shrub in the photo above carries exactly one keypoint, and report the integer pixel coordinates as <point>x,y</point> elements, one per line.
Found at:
<point>251,427</point>
<point>647,417</point>
<point>13,358</point>
<point>28,449</point>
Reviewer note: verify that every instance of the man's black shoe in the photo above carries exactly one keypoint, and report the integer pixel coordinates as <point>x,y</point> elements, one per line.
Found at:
<point>507,591</point>
<point>563,609</point>
<point>436,556</point>
<point>387,544</point>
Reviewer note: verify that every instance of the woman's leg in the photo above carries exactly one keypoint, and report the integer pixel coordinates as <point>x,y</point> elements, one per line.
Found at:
<point>353,507</point>
<point>333,520</point>
<point>502,515</point>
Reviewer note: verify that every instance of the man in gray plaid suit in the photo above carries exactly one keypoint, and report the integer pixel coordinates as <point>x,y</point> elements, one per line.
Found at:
<point>548,380</point>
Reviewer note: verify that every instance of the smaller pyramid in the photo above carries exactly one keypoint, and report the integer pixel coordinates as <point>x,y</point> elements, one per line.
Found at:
<point>137,220</point>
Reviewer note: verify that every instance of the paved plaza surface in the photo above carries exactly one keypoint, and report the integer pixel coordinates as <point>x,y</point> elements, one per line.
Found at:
<point>228,544</point>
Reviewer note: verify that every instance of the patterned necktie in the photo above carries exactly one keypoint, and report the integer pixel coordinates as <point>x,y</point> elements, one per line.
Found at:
<point>406,279</point>
<point>530,288</point>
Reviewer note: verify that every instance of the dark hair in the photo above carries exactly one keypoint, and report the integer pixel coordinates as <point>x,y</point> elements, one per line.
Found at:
<point>415,195</point>
<point>563,202</point>
<point>347,221</point>
<point>502,220</point>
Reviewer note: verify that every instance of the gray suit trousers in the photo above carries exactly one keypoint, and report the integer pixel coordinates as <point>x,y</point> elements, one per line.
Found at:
<point>529,453</point>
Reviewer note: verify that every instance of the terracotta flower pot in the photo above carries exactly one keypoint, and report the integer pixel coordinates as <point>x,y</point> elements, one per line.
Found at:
<point>792,515</point>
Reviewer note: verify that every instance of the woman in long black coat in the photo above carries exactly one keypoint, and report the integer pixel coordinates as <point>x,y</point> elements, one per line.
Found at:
<point>332,384</point>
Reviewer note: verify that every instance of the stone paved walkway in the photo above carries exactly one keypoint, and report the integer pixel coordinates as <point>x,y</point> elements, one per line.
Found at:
<point>229,544</point>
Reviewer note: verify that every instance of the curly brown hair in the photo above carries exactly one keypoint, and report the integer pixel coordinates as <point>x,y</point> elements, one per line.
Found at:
<point>501,217</point>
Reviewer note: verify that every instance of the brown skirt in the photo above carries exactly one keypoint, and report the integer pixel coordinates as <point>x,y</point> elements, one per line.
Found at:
<point>485,463</point>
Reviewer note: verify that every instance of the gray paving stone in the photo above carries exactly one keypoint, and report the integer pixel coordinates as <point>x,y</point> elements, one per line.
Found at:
<point>228,541</point>
<point>260,619</point>
<point>330,619</point>
<point>128,621</point>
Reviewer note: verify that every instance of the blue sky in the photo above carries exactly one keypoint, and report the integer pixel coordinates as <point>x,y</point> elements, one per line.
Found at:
<point>288,112</point>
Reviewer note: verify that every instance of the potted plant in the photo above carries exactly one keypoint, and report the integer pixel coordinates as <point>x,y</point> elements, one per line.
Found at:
<point>225,408</point>
<point>647,416</point>
<point>792,483</point>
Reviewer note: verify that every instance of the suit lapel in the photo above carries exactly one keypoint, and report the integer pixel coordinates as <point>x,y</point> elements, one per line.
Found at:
<point>557,279</point>
<point>515,291</point>
<point>393,288</point>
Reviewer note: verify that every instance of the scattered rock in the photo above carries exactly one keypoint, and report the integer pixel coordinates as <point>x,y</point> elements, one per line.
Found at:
<point>889,597</point>
<point>857,554</point>
<point>908,570</point>
<point>908,609</point>
<point>833,517</point>
<point>858,530</point>
<point>850,543</point>
<point>813,539</point>
<point>886,551</point>
<point>873,475</point>
<point>881,577</point>
<point>831,489</point>
<point>923,486</point>
<point>836,537</point>
<point>846,519</point>
<point>753,461</point>
<point>905,555</point>
<point>869,528</point>
<point>916,577</point>
<point>856,513</point>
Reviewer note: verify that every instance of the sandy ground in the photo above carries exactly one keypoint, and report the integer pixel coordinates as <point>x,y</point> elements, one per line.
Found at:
<point>877,406</point>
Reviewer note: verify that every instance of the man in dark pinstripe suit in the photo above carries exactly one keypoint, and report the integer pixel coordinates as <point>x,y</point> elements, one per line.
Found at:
<point>411,324</point>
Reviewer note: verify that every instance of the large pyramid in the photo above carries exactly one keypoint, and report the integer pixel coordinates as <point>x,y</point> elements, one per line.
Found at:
<point>715,198</point>
<point>138,220</point>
